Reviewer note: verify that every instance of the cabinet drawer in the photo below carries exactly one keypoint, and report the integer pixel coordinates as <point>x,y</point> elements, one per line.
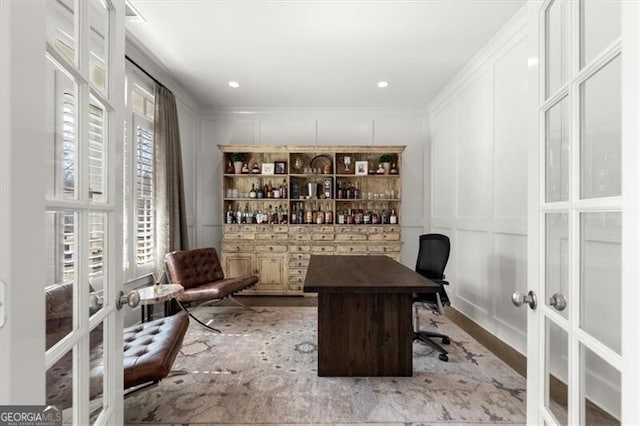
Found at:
<point>300,249</point>
<point>299,256</point>
<point>322,237</point>
<point>385,237</point>
<point>270,248</point>
<point>239,228</point>
<point>298,263</point>
<point>324,229</point>
<point>299,229</point>
<point>351,237</point>
<point>322,249</point>
<point>239,236</point>
<point>237,248</point>
<point>272,237</point>
<point>273,229</point>
<point>296,282</point>
<point>381,249</point>
<point>297,272</point>
<point>350,229</point>
<point>352,249</point>
<point>300,237</point>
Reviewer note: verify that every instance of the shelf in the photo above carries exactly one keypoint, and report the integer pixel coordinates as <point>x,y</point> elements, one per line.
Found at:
<point>257,199</point>
<point>360,200</point>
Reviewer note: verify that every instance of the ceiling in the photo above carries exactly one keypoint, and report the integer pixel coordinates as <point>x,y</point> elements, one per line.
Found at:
<point>316,53</point>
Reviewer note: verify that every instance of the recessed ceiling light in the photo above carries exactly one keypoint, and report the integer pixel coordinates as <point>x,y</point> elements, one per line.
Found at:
<point>383,84</point>
<point>234,84</point>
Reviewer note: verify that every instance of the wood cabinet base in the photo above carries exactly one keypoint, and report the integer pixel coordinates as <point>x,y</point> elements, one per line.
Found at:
<point>364,334</point>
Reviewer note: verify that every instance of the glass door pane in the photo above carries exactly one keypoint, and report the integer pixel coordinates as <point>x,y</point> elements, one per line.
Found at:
<point>557,258</point>
<point>555,47</point>
<point>600,385</point>
<point>557,153</point>
<point>61,29</point>
<point>556,371</point>
<point>600,25</point>
<point>98,44</point>
<point>601,133</point>
<point>601,276</point>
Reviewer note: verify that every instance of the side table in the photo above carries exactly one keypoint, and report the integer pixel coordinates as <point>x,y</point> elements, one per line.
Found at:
<point>160,293</point>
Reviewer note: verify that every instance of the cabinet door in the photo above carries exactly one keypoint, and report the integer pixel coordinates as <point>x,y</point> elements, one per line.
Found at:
<point>236,264</point>
<point>272,272</point>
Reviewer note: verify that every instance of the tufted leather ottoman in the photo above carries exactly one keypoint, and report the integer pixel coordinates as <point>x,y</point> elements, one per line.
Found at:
<point>149,351</point>
<point>151,347</point>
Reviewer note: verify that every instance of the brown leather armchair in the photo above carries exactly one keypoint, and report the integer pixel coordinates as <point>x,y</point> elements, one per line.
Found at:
<point>200,273</point>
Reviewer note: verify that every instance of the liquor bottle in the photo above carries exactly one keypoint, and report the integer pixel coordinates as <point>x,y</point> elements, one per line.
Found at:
<point>328,217</point>
<point>252,193</point>
<point>349,191</point>
<point>383,217</point>
<point>238,214</point>
<point>340,193</point>
<point>229,218</point>
<point>366,217</point>
<point>279,214</point>
<point>309,215</point>
<point>393,218</point>
<point>300,214</point>
<point>285,216</point>
<point>269,213</point>
<point>294,215</point>
<point>283,189</point>
<point>265,190</point>
<point>245,215</point>
<point>260,192</point>
<point>341,217</point>
<point>375,217</point>
<point>356,192</point>
<point>320,216</point>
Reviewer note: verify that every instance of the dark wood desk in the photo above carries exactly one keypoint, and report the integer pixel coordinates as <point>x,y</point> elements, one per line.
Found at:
<point>364,314</point>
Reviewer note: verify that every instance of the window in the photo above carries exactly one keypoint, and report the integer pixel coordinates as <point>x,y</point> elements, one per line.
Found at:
<point>139,253</point>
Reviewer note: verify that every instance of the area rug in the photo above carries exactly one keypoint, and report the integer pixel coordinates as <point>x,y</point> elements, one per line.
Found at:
<point>262,369</point>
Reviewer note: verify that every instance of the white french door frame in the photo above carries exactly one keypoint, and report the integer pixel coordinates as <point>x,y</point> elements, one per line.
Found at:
<point>23,183</point>
<point>626,362</point>
<point>631,212</point>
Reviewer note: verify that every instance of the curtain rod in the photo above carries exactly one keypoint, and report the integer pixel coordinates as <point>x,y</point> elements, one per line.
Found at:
<point>144,71</point>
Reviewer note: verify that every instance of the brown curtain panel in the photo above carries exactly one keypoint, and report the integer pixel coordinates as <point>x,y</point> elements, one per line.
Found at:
<point>171,218</point>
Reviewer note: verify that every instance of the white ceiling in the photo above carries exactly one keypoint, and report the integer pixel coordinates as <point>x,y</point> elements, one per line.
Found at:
<point>317,53</point>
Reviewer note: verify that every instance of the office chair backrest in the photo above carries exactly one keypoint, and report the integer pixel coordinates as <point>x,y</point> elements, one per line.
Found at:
<point>433,254</point>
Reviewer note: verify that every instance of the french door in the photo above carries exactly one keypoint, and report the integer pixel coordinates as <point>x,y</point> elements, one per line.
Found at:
<point>65,172</point>
<point>583,248</point>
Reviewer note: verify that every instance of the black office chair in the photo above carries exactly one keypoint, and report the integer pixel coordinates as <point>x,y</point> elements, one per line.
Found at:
<point>433,255</point>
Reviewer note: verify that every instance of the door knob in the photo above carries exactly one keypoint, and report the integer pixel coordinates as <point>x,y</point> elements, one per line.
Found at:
<point>558,301</point>
<point>132,299</point>
<point>519,298</point>
<point>96,300</point>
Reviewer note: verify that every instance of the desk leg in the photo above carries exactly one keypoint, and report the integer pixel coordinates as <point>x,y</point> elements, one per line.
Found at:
<point>364,334</point>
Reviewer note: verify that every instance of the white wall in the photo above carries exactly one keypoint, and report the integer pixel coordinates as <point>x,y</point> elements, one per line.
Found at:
<point>479,182</point>
<point>316,127</point>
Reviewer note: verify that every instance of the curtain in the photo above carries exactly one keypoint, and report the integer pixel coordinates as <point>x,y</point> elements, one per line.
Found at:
<point>171,218</point>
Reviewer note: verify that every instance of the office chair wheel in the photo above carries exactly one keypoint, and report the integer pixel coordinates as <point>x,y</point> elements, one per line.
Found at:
<point>446,341</point>
<point>443,357</point>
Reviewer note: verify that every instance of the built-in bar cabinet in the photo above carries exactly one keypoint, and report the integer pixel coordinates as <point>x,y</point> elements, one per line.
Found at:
<point>281,204</point>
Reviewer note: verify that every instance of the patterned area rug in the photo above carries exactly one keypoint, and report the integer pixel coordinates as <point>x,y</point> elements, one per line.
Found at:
<point>262,370</point>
